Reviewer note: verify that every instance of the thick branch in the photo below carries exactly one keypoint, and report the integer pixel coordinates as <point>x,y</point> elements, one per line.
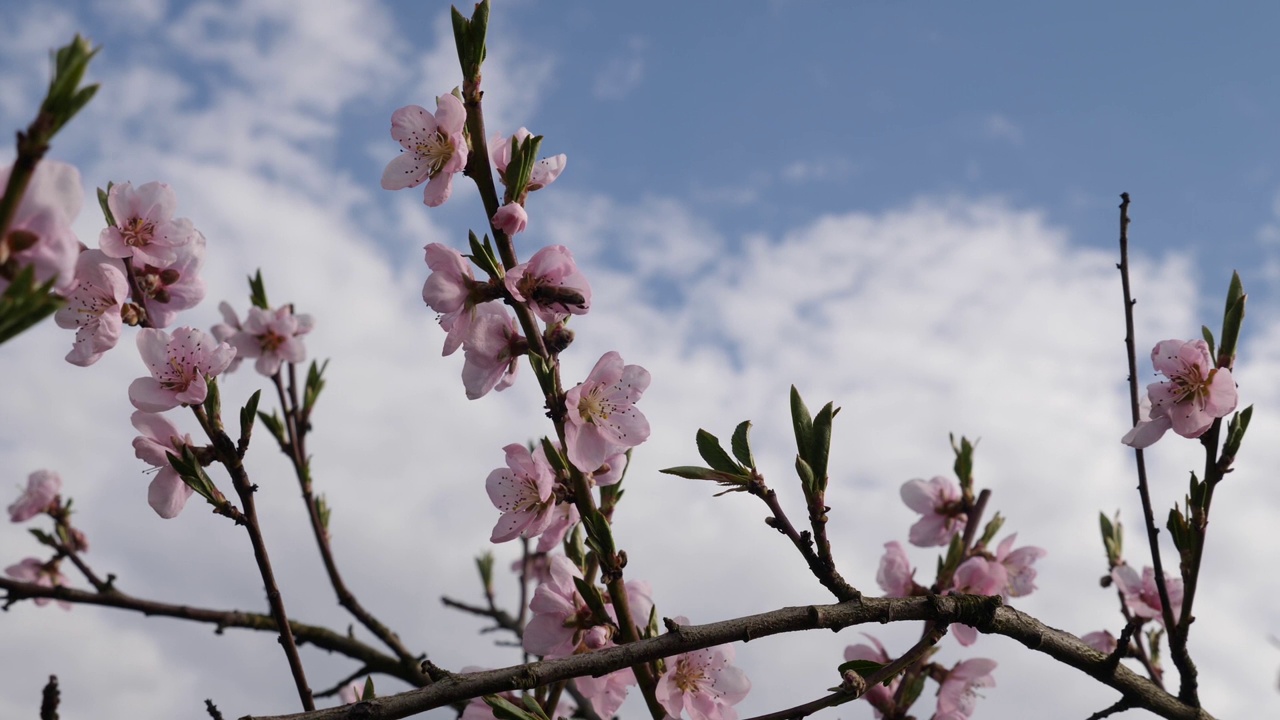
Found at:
<point>984,613</point>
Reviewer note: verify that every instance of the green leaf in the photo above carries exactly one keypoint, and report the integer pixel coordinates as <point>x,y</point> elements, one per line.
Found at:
<point>802,423</point>
<point>964,462</point>
<point>274,425</point>
<point>805,473</point>
<point>484,565</point>
<point>24,303</point>
<point>556,460</point>
<point>1235,432</point>
<point>1232,319</point>
<point>711,451</point>
<point>102,202</point>
<point>367,693</point>
<point>248,414</point>
<point>504,709</point>
<point>591,596</point>
<point>820,445</point>
<point>741,445</point>
<point>258,291</point>
<point>993,527</point>
<point>315,384</point>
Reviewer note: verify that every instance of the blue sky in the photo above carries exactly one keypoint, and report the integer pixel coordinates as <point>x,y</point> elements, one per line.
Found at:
<point>909,209</point>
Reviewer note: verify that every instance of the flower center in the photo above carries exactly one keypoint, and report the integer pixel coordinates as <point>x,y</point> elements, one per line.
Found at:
<point>436,151</point>
<point>689,677</point>
<point>138,232</point>
<point>592,407</point>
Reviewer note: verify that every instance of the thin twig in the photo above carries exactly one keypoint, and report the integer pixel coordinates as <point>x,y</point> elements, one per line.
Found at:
<point>49,699</point>
<point>1148,516</point>
<point>823,571</point>
<point>320,637</point>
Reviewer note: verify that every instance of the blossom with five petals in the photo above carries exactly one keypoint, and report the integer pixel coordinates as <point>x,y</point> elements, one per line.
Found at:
<point>434,149</point>
<point>93,307</point>
<point>1194,395</point>
<point>272,336</point>
<point>602,412</point>
<point>938,500</point>
<point>145,228</point>
<point>523,492</point>
<point>180,366</point>
<point>702,683</point>
<point>1142,597</point>
<point>1008,574</point>
<point>168,493</point>
<point>169,288</point>
<point>42,490</point>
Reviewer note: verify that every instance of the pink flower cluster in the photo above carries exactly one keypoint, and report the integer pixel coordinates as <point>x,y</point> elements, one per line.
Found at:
<point>957,698</point>
<point>563,625</point>
<point>1141,595</point>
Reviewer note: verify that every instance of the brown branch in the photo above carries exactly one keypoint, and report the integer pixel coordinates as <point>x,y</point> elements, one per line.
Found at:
<point>320,637</point>
<point>824,571</point>
<point>296,427</point>
<point>49,699</point>
<point>984,613</point>
<point>1177,642</point>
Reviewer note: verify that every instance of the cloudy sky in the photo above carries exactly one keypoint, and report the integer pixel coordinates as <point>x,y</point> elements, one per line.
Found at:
<point>907,209</point>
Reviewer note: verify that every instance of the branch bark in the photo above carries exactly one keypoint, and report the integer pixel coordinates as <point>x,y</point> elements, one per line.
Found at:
<point>987,614</point>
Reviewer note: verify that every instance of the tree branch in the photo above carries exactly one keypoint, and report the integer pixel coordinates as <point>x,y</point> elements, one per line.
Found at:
<point>986,614</point>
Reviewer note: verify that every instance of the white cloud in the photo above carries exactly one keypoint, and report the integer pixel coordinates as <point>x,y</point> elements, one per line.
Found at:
<point>999,127</point>
<point>623,73</point>
<point>944,315</point>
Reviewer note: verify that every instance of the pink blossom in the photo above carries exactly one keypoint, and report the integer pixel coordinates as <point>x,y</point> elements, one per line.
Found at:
<point>1142,597</point>
<point>1101,640</point>
<point>511,218</point>
<point>31,570</point>
<point>1195,394</point>
<point>895,575</point>
<point>40,234</point>
<point>545,171</point>
<point>272,336</point>
<point>543,281</point>
<point>434,148</point>
<point>225,330</point>
<point>177,286</point>
<point>1017,564</point>
<point>608,692</point>
<point>180,366</point>
<point>168,493</point>
<point>879,696</point>
<point>560,615</point>
<point>93,307</point>
<point>702,683</point>
<point>492,351</point>
<point>956,697</point>
<point>523,492</point>
<point>602,412</point>
<point>938,499</point>
<point>563,517</point>
<point>448,292</point>
<point>42,491</point>
<point>145,228</point>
